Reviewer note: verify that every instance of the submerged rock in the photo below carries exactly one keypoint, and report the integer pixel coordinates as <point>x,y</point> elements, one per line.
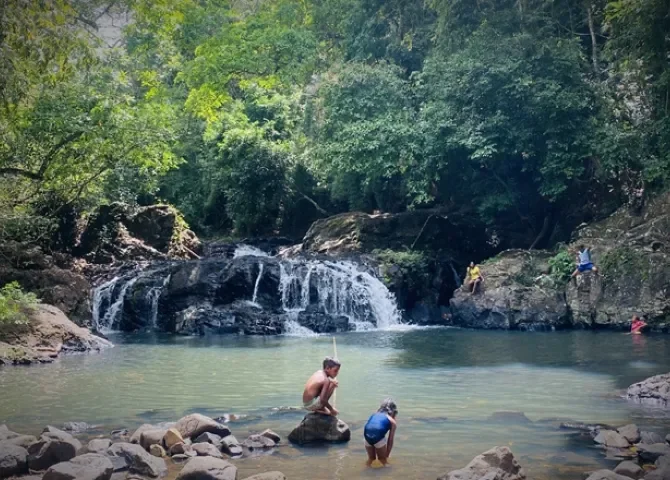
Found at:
<point>318,428</point>
<point>208,468</point>
<point>258,442</point>
<point>495,464</point>
<point>90,466</point>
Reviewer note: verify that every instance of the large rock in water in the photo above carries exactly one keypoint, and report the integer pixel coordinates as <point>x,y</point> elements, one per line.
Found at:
<point>194,425</point>
<point>496,464</point>
<point>319,428</point>
<point>90,466</point>
<point>139,460</point>
<point>208,468</point>
<point>515,295</point>
<point>652,391</point>
<point>48,333</point>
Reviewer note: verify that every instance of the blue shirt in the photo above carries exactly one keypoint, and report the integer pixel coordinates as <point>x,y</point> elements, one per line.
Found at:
<point>585,257</point>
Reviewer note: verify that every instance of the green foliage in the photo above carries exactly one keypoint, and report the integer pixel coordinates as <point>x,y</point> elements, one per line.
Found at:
<point>562,265</point>
<point>625,262</point>
<point>410,267</point>
<point>15,305</point>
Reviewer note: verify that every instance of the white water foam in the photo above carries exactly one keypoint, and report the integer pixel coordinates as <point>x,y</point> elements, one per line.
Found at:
<point>105,293</point>
<point>154,296</point>
<point>258,281</point>
<point>249,251</point>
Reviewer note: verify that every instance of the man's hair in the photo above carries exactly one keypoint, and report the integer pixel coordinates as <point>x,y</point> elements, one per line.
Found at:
<point>389,407</point>
<point>581,247</point>
<point>330,362</point>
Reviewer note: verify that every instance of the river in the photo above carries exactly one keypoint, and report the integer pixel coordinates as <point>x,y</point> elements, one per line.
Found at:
<point>446,382</point>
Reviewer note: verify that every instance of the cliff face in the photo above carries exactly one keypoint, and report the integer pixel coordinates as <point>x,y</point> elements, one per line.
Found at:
<point>631,250</point>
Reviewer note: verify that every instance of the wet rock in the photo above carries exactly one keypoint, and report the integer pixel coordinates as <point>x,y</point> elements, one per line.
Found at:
<point>606,475</point>
<point>267,476</point>
<point>650,438</point>
<point>230,446</point>
<point>55,446</point>
<point>121,434</point>
<point>318,428</point>
<point>208,438</point>
<point>206,450</point>
<point>151,437</point>
<point>630,433</point>
<point>195,425</point>
<point>271,435</point>
<point>53,433</point>
<point>91,466</point>
<point>629,469</point>
<point>650,453</point>
<point>172,437</point>
<point>98,445</point>
<point>119,463</point>
<point>13,460</point>
<point>611,438</point>
<point>6,433</point>
<point>585,427</point>
<point>496,464</point>
<point>258,442</point>
<point>76,427</point>
<point>653,391</point>
<point>24,441</point>
<point>138,460</point>
<point>180,449</point>
<point>510,417</point>
<point>137,434</point>
<point>208,468</point>
<point>157,451</point>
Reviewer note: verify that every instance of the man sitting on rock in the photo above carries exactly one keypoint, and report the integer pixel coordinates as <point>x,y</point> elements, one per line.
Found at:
<point>584,262</point>
<point>473,277</point>
<point>320,387</point>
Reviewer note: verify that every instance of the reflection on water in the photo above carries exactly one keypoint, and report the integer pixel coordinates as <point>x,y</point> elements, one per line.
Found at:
<point>447,382</point>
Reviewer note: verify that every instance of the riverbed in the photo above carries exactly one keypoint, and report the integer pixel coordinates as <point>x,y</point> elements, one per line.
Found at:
<point>447,384</point>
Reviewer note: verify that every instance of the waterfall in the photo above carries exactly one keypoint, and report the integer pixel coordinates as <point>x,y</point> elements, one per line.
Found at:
<point>103,296</point>
<point>457,279</point>
<point>342,289</point>
<point>153,297</point>
<point>249,251</point>
<point>258,281</point>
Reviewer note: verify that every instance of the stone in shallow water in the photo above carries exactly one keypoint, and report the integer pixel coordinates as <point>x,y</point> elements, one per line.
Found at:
<point>91,466</point>
<point>151,437</point>
<point>208,468</point>
<point>46,453</point>
<point>652,391</point>
<point>195,425</point>
<point>258,442</point>
<point>610,438</point>
<point>76,427</point>
<point>208,438</point>
<point>135,437</point>
<point>230,446</point>
<point>630,433</point>
<point>650,453</point>
<point>157,451</point>
<point>495,464</point>
<point>98,445</point>
<point>271,435</point>
<point>139,460</point>
<point>318,428</point>
<point>629,469</point>
<point>172,437</point>
<point>24,441</point>
<point>650,438</point>
<point>13,460</point>
<point>606,475</point>
<point>206,450</point>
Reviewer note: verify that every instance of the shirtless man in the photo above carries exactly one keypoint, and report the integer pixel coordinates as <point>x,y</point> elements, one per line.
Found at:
<point>320,387</point>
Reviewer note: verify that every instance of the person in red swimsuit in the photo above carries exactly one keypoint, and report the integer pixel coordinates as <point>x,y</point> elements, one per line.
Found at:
<point>637,325</point>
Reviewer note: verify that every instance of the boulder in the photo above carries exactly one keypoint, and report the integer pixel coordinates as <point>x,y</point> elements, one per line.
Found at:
<point>91,466</point>
<point>195,425</point>
<point>55,446</point>
<point>606,475</point>
<point>137,435</point>
<point>496,464</point>
<point>271,435</point>
<point>206,450</point>
<point>258,442</point>
<point>172,437</point>
<point>610,438</point>
<point>267,476</point>
<point>76,427</point>
<point>208,438</point>
<point>630,433</point>
<point>516,295</point>
<point>6,433</point>
<point>157,451</point>
<point>180,449</point>
<point>24,441</point>
<point>650,438</point>
<point>318,428</point>
<point>658,474</point>
<point>139,460</point>
<point>230,446</point>
<point>629,469</point>
<point>151,437</point>
<point>98,445</point>
<point>649,453</point>
<point>653,391</point>
<point>48,334</point>
<point>208,468</point>
<point>13,460</point>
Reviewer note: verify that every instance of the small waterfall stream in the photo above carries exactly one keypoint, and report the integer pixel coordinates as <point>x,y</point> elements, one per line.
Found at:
<point>108,301</point>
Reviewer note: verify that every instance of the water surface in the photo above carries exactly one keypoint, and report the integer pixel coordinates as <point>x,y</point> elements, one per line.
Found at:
<point>446,382</point>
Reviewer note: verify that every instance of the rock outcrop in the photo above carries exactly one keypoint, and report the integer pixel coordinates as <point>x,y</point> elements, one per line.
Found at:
<point>653,391</point>
<point>632,252</point>
<point>496,464</point>
<point>319,428</point>
<point>48,334</point>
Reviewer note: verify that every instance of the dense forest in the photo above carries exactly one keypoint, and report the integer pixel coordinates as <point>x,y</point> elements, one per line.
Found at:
<point>256,117</point>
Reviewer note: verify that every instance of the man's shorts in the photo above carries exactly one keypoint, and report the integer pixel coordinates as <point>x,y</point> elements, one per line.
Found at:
<point>313,405</point>
<point>585,267</point>
<point>370,442</point>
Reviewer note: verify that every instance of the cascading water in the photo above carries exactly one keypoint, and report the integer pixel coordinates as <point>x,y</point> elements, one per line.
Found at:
<point>108,298</point>
<point>258,282</point>
<point>338,289</point>
<point>154,296</point>
<point>249,251</point>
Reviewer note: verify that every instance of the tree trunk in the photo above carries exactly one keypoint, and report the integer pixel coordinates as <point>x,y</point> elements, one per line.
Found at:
<point>594,41</point>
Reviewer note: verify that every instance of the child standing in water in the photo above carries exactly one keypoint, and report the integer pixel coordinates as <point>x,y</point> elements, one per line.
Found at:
<point>379,424</point>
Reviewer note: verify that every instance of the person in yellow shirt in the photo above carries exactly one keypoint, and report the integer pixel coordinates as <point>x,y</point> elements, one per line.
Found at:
<point>473,278</point>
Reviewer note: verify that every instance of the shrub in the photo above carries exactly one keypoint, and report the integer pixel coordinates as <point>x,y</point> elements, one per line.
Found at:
<point>15,305</point>
<point>412,266</point>
<point>562,265</point>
